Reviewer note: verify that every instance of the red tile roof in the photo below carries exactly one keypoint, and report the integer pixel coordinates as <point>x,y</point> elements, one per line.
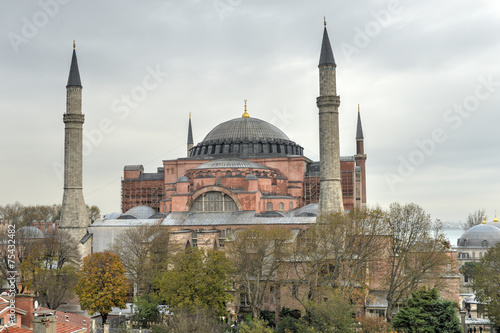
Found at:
<point>67,328</point>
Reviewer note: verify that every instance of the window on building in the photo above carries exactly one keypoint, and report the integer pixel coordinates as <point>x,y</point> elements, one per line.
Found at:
<point>269,206</point>
<point>291,205</point>
<point>214,202</point>
<point>485,243</point>
<point>271,294</point>
<point>281,206</point>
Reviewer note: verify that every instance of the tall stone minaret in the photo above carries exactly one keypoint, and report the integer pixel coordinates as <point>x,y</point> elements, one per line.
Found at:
<point>330,198</point>
<point>360,159</point>
<point>190,136</point>
<point>74,214</point>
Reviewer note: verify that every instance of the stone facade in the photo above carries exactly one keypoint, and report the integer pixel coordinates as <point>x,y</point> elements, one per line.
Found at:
<point>328,103</point>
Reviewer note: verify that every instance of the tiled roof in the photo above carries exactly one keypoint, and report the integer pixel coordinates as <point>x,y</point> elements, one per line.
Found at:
<point>67,328</point>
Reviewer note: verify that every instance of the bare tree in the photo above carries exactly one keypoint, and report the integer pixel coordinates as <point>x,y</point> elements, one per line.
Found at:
<point>335,253</point>
<point>474,218</point>
<point>49,269</point>
<point>415,254</point>
<point>145,252</point>
<point>256,255</point>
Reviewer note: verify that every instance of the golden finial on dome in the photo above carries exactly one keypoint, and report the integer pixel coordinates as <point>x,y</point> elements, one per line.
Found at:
<point>484,218</point>
<point>189,115</point>
<point>358,107</point>
<point>245,114</point>
<point>74,45</point>
<point>324,21</point>
<point>495,219</point>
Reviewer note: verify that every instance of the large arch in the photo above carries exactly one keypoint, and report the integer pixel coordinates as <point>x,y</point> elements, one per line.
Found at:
<point>213,188</point>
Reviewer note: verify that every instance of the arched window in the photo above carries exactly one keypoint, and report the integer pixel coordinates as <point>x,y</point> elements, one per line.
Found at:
<point>281,206</point>
<point>291,205</point>
<point>485,243</point>
<point>214,202</point>
<point>269,206</point>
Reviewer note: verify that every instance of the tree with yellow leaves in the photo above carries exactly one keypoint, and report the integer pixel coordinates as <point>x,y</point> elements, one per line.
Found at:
<point>101,283</point>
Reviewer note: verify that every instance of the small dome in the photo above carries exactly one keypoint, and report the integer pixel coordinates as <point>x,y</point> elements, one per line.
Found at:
<point>140,212</point>
<point>481,235</point>
<point>31,232</point>
<point>183,179</point>
<point>251,177</point>
<point>228,163</point>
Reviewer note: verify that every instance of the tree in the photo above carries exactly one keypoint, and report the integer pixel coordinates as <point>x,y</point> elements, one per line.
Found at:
<point>485,283</point>
<point>255,326</point>
<point>101,283</point>
<point>426,312</point>
<point>50,269</point>
<point>333,313</point>
<point>197,280</point>
<point>415,253</point>
<point>335,252</point>
<point>374,325</point>
<point>474,218</point>
<point>201,320</point>
<point>467,270</point>
<point>256,254</point>
<point>146,311</point>
<point>94,213</point>
<point>145,253</point>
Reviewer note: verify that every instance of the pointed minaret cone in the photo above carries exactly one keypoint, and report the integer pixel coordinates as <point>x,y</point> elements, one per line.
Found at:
<point>74,214</point>
<point>190,137</point>
<point>360,159</point>
<point>330,199</point>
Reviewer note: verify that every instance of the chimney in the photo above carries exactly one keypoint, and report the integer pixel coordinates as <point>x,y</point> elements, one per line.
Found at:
<point>25,302</point>
<point>45,322</point>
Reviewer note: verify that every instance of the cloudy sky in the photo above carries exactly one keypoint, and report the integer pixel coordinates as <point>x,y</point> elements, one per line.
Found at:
<point>426,74</point>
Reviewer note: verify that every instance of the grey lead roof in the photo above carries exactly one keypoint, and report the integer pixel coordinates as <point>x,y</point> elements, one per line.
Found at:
<point>230,218</point>
<point>326,57</point>
<point>245,128</point>
<point>74,73</point>
<point>190,133</point>
<point>359,130</point>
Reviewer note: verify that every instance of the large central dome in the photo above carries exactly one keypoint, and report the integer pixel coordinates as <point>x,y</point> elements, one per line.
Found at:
<point>245,137</point>
<point>245,129</point>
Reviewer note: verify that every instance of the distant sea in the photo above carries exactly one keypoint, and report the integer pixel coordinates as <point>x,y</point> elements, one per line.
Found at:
<point>453,234</point>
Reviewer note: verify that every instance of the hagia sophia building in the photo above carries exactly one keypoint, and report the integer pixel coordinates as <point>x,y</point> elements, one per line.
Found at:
<point>245,172</point>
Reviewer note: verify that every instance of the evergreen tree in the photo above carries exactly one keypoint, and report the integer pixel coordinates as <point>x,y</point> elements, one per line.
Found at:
<point>426,312</point>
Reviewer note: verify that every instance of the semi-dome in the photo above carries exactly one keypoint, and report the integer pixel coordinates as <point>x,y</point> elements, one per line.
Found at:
<point>246,137</point>
<point>481,235</point>
<point>230,163</point>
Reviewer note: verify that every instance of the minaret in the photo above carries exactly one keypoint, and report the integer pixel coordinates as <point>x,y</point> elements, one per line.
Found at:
<point>330,199</point>
<point>360,159</point>
<point>74,214</point>
<point>190,136</point>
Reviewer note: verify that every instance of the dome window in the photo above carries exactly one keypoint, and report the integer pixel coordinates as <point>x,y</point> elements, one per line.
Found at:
<point>485,243</point>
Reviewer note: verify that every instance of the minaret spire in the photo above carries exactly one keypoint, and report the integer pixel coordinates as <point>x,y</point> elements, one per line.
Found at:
<point>328,102</point>
<point>360,159</point>
<point>74,214</point>
<point>190,136</point>
<point>74,73</point>
<point>359,129</point>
